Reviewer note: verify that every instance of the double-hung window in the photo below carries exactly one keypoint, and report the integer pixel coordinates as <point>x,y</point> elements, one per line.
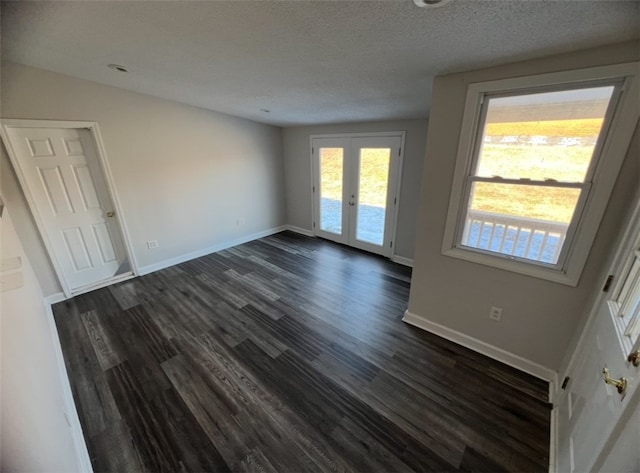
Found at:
<point>537,160</point>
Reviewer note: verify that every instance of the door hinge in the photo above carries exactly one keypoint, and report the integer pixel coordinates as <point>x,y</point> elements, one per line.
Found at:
<point>399,151</point>
<point>313,150</point>
<point>314,224</point>
<point>391,244</point>
<point>565,383</point>
<point>314,188</point>
<point>395,201</point>
<point>607,283</point>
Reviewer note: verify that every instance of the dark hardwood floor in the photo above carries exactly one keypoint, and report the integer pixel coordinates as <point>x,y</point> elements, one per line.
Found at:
<point>288,354</point>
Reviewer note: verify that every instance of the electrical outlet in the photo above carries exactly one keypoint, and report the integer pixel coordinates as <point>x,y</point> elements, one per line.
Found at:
<point>151,244</point>
<point>495,313</point>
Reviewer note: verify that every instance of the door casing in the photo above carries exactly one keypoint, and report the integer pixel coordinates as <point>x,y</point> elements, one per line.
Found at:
<point>103,164</point>
<point>397,183</point>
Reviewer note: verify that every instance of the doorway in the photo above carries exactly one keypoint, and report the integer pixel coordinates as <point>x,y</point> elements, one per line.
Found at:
<point>63,174</point>
<point>356,188</point>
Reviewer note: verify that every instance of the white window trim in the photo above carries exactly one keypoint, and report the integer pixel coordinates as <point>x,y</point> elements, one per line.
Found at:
<point>613,152</point>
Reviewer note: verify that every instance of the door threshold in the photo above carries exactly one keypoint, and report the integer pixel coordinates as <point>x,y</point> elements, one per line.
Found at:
<point>101,284</point>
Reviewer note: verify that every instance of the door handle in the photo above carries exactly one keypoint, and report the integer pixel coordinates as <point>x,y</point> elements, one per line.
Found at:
<point>634,358</point>
<point>351,203</point>
<point>110,214</point>
<point>619,384</point>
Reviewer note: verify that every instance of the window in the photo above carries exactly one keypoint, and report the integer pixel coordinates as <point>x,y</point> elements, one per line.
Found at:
<point>625,306</point>
<point>531,181</point>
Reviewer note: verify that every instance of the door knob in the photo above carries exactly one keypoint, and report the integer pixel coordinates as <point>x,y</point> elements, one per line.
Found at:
<point>110,214</point>
<point>634,358</point>
<point>619,384</point>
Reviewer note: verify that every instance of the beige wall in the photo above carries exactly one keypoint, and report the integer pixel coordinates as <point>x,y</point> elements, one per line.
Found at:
<point>184,176</point>
<point>35,435</point>
<point>540,317</point>
<point>298,173</point>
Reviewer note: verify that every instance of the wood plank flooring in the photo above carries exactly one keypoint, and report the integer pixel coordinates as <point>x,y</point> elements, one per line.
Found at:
<point>288,354</point>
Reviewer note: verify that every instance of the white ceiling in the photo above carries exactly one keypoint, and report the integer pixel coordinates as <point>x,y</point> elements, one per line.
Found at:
<point>308,62</point>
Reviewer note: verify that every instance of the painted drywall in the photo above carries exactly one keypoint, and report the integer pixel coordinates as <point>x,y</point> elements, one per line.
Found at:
<point>189,178</point>
<point>540,317</point>
<point>35,434</point>
<point>298,173</point>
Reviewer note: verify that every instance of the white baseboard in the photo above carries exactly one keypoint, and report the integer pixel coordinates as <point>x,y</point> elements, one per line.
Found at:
<point>484,348</point>
<point>553,389</point>
<point>205,251</point>
<point>82,454</point>
<point>301,231</point>
<point>101,284</point>
<point>54,298</point>
<point>553,441</point>
<point>402,260</point>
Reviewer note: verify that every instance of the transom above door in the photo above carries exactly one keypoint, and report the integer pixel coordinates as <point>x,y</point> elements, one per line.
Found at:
<point>356,187</point>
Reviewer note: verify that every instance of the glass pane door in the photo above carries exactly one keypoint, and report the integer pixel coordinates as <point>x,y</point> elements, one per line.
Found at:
<point>331,188</point>
<point>355,191</point>
<point>373,187</point>
<point>372,192</point>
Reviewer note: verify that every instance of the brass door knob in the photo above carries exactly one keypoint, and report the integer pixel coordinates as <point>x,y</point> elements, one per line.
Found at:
<point>619,384</point>
<point>634,358</point>
<point>110,214</point>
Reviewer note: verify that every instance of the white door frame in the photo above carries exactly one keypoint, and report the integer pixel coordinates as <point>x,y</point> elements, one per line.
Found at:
<point>398,183</point>
<point>103,163</point>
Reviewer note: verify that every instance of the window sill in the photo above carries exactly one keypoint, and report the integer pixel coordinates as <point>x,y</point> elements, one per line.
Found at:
<point>513,265</point>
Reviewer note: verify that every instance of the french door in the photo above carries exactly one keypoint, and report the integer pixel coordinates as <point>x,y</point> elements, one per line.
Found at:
<point>356,189</point>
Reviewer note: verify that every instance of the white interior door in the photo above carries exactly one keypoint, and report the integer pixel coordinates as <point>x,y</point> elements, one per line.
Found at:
<point>355,191</point>
<point>61,174</point>
<point>591,408</point>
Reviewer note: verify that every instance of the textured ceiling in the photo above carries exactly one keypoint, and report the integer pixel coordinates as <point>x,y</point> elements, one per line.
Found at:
<point>306,61</point>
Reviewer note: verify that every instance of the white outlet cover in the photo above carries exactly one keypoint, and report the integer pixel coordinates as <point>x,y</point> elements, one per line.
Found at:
<point>495,313</point>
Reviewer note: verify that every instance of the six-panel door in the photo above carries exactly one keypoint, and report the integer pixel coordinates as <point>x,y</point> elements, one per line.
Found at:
<point>67,187</point>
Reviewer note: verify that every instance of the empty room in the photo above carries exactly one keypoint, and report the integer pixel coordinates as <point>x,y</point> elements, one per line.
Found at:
<point>320,235</point>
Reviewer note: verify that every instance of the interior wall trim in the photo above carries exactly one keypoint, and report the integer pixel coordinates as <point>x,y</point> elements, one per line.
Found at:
<point>402,260</point>
<point>553,441</point>
<point>300,230</point>
<point>508,358</point>
<point>205,251</point>
<point>82,454</point>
